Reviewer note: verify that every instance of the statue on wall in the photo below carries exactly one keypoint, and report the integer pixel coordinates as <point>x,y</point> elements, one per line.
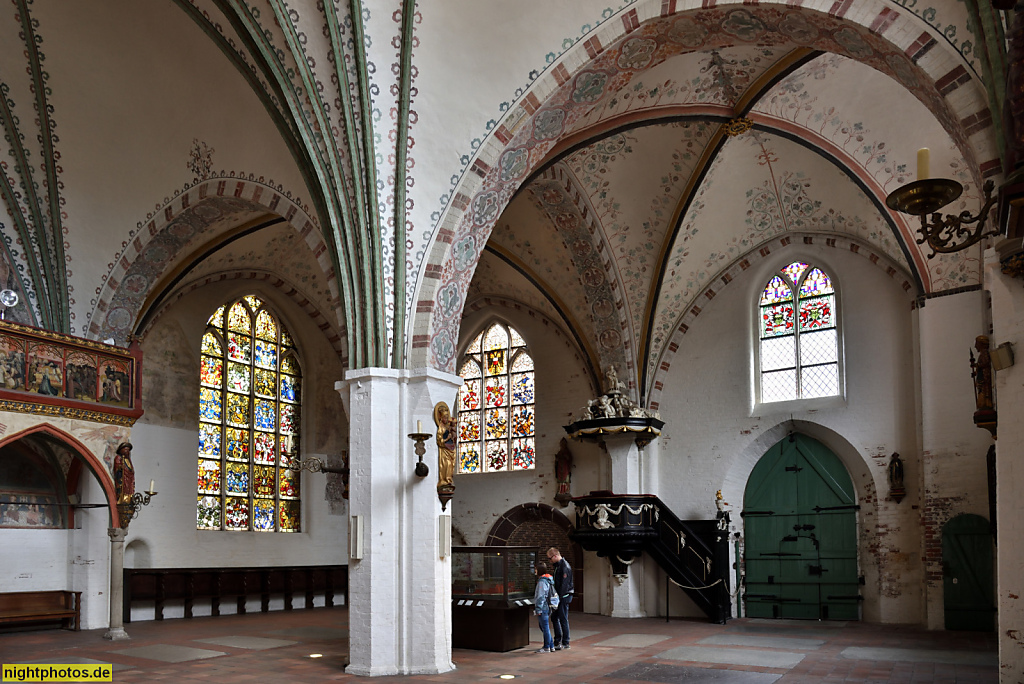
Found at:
<point>124,481</point>
<point>981,371</point>
<point>895,474</point>
<point>446,426</point>
<point>563,473</point>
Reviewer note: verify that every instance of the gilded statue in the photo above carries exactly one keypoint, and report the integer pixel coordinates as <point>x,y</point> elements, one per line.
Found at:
<point>981,371</point>
<point>445,444</point>
<point>124,481</point>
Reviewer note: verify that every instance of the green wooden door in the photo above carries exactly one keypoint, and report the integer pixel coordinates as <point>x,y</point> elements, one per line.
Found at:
<point>967,578</point>
<point>800,523</point>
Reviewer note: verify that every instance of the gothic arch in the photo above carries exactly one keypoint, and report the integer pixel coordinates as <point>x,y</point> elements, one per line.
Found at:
<point>96,465</point>
<point>901,46</point>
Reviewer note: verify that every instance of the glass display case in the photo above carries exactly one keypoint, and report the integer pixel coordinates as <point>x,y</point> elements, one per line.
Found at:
<point>492,596</point>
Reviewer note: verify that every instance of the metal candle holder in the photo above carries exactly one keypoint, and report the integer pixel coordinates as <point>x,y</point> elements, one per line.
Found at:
<point>422,469</point>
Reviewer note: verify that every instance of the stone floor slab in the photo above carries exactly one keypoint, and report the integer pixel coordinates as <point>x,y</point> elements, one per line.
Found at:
<point>324,633</point>
<point>805,633</point>
<point>251,643</point>
<point>632,640</point>
<point>679,674</point>
<point>733,656</point>
<point>76,661</point>
<point>920,655</point>
<point>761,641</point>
<point>169,653</point>
<point>783,622</point>
<point>574,634</point>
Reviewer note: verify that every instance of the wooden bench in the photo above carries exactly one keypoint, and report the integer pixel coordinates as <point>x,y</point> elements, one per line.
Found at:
<point>189,585</point>
<point>42,606</point>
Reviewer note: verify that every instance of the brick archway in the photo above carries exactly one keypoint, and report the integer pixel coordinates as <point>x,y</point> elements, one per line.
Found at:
<point>540,525</point>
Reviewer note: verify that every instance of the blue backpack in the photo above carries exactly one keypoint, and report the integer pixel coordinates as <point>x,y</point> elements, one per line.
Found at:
<point>553,599</point>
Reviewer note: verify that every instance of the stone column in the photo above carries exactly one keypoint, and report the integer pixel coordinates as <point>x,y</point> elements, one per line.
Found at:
<point>116,631</point>
<point>627,582</point>
<point>400,591</point>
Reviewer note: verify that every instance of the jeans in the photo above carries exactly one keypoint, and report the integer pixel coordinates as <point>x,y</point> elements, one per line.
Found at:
<point>542,618</point>
<point>560,621</point>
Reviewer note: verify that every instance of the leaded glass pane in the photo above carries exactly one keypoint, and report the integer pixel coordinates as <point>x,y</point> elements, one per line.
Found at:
<point>217,319</point>
<point>496,338</point>
<point>211,371</point>
<point>290,365</point>
<point>236,513</point>
<point>497,423</point>
<point>238,445</point>
<point>209,405</point>
<point>522,388</point>
<point>208,512</point>
<point>496,393</point>
<point>239,319</point>
<point>289,519</point>
<point>286,339</point>
<point>794,270</point>
<point>238,409</point>
<point>470,369</point>
<point>469,427</point>
<point>818,347</point>
<point>820,381</point>
<point>469,458</point>
<point>778,352</point>
<point>778,385</point>
<point>209,477</point>
<point>266,354</point>
<point>237,480</point>
<point>522,421</point>
<point>263,445</point>
<point>289,450</point>
<point>523,362</point>
<point>239,347</point>
<point>289,419</point>
<point>263,515</point>
<point>238,377</point>
<point>265,383</point>
<point>517,339</point>
<point>290,388</point>
<point>523,454</point>
<point>289,483</point>
<point>777,320</point>
<point>497,454</point>
<point>209,439</point>
<point>263,481</point>
<point>474,346</point>
<point>816,313</point>
<point>469,396</point>
<point>496,362</point>
<point>266,328</point>
<point>816,283</point>
<point>776,291</point>
<point>211,345</point>
<point>264,415</point>
<point>253,302</point>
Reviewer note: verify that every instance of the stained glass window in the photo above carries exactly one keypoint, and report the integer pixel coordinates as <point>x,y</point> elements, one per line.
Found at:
<point>250,386</point>
<point>496,405</point>
<point>799,344</point>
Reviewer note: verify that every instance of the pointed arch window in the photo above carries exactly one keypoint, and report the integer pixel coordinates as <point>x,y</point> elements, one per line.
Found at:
<point>799,343</point>
<point>496,404</point>
<point>250,388</point>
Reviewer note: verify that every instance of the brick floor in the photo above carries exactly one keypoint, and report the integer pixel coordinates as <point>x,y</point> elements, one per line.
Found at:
<point>587,661</point>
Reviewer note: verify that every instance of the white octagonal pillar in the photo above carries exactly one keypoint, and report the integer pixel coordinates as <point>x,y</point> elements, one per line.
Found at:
<point>400,590</point>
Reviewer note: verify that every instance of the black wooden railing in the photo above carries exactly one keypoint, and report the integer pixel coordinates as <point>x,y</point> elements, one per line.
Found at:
<point>694,553</point>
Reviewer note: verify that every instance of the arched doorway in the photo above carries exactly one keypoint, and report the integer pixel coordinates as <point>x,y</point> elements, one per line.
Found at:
<point>967,574</point>
<point>800,528</point>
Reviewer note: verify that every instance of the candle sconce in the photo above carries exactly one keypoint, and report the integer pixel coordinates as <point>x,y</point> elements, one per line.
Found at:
<point>422,469</point>
<point>944,234</point>
<point>129,510</point>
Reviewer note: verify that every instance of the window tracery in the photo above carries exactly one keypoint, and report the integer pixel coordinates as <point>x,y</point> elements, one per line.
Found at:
<point>496,404</point>
<point>250,389</point>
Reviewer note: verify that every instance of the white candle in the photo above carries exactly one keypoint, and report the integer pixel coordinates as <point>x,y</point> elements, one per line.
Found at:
<point>419,426</point>
<point>922,163</point>
<point>152,485</point>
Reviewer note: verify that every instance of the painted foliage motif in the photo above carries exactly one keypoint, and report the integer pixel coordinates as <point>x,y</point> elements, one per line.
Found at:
<point>496,404</point>
<point>250,387</point>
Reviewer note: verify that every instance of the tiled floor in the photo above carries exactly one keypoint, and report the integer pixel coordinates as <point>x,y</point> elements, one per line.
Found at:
<point>276,647</point>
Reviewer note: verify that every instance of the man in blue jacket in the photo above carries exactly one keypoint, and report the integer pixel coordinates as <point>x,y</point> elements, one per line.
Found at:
<point>562,574</point>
